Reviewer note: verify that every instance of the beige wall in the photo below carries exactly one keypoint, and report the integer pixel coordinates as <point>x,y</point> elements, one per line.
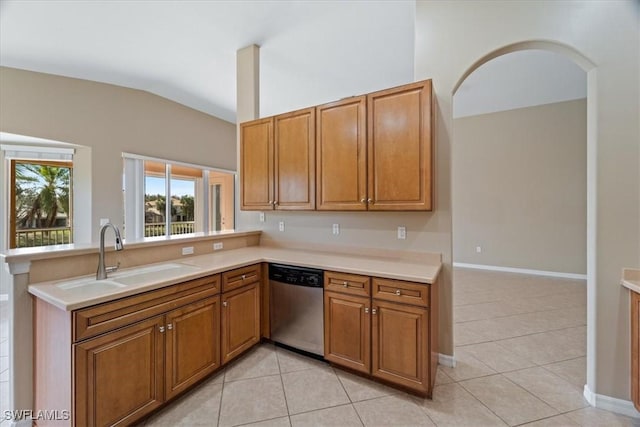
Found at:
<point>109,120</point>
<point>603,37</point>
<point>520,188</point>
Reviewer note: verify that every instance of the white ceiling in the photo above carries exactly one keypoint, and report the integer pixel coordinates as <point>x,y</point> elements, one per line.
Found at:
<point>311,52</point>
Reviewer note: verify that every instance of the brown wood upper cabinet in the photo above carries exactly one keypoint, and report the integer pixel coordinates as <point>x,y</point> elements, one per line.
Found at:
<point>399,144</point>
<point>370,152</point>
<point>277,162</point>
<point>341,155</point>
<point>256,165</point>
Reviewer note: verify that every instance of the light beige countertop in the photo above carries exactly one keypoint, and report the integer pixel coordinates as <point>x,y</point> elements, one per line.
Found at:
<point>146,278</point>
<point>631,279</point>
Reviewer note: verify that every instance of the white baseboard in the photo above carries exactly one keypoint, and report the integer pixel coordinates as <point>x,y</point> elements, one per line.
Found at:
<point>612,404</point>
<point>446,360</point>
<point>522,271</point>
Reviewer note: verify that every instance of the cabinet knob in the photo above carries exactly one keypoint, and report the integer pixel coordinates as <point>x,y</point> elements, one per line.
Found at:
<point>170,326</point>
<point>363,200</point>
<point>270,202</point>
<point>398,292</point>
<point>244,276</point>
<point>373,311</point>
<point>366,310</point>
<point>224,303</point>
<point>161,329</point>
<point>345,284</point>
<point>370,201</point>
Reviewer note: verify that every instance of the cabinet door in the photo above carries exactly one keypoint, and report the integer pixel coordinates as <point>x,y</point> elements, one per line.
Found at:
<point>635,349</point>
<point>240,320</point>
<point>399,148</point>
<point>295,160</point>
<point>192,344</point>
<point>341,155</point>
<point>347,331</point>
<point>400,345</point>
<point>119,375</point>
<point>256,165</point>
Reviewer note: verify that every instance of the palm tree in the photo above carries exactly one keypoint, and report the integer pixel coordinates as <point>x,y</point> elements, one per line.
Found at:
<point>41,190</point>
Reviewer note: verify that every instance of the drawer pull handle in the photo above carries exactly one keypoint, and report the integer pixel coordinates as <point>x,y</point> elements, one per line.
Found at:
<point>398,292</point>
<point>224,303</point>
<point>161,329</point>
<point>170,326</point>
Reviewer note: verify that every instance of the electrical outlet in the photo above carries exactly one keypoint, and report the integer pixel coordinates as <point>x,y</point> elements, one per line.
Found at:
<point>336,229</point>
<point>188,250</point>
<point>104,221</point>
<point>261,216</point>
<point>281,226</point>
<point>217,246</point>
<point>402,233</point>
<point>478,249</point>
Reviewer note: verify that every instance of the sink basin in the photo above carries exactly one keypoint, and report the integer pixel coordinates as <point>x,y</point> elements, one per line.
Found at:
<point>152,273</point>
<point>90,282</point>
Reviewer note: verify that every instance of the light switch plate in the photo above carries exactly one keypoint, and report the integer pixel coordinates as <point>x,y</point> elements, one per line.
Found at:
<point>281,226</point>
<point>402,233</point>
<point>478,249</point>
<point>217,246</point>
<point>188,250</point>
<point>261,216</point>
<point>336,229</point>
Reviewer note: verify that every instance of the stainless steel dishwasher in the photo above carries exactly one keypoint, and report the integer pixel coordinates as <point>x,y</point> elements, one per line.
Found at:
<point>296,307</point>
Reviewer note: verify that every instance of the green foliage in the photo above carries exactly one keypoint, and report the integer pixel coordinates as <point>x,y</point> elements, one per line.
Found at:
<point>41,192</point>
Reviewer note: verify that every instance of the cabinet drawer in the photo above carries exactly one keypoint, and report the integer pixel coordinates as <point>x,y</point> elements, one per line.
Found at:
<point>347,283</point>
<point>102,318</point>
<point>399,291</point>
<point>239,277</point>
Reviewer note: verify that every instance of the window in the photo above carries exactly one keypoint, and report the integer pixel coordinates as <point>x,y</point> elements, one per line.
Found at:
<point>164,198</point>
<point>40,195</point>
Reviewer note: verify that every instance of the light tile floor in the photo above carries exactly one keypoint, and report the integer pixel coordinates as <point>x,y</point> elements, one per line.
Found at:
<point>520,361</point>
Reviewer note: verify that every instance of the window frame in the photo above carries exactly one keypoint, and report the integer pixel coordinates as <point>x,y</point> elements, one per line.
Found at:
<point>13,220</point>
<point>134,194</point>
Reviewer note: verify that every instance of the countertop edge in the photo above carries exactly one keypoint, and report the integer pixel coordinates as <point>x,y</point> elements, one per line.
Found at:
<point>631,279</point>
<point>428,277</point>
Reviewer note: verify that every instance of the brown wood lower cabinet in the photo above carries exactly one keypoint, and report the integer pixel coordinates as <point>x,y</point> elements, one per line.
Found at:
<point>119,375</point>
<point>635,349</point>
<point>347,331</point>
<point>240,320</point>
<point>392,337</point>
<point>400,344</point>
<point>192,344</point>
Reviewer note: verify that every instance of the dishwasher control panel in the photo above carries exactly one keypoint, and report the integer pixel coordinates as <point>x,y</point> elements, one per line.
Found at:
<point>293,275</point>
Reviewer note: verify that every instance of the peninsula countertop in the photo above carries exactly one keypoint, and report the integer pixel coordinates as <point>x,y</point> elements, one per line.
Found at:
<point>187,268</point>
<point>631,279</point>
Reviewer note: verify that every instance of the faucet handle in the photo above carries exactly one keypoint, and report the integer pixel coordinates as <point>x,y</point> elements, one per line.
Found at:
<point>113,268</point>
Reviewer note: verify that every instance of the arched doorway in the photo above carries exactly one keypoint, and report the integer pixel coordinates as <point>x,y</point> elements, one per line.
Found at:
<point>589,67</point>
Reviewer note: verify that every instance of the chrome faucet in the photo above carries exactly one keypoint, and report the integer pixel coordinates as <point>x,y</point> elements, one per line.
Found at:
<point>102,270</point>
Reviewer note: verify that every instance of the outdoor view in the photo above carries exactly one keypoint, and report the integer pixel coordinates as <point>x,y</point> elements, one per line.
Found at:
<point>41,213</point>
<point>182,199</point>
